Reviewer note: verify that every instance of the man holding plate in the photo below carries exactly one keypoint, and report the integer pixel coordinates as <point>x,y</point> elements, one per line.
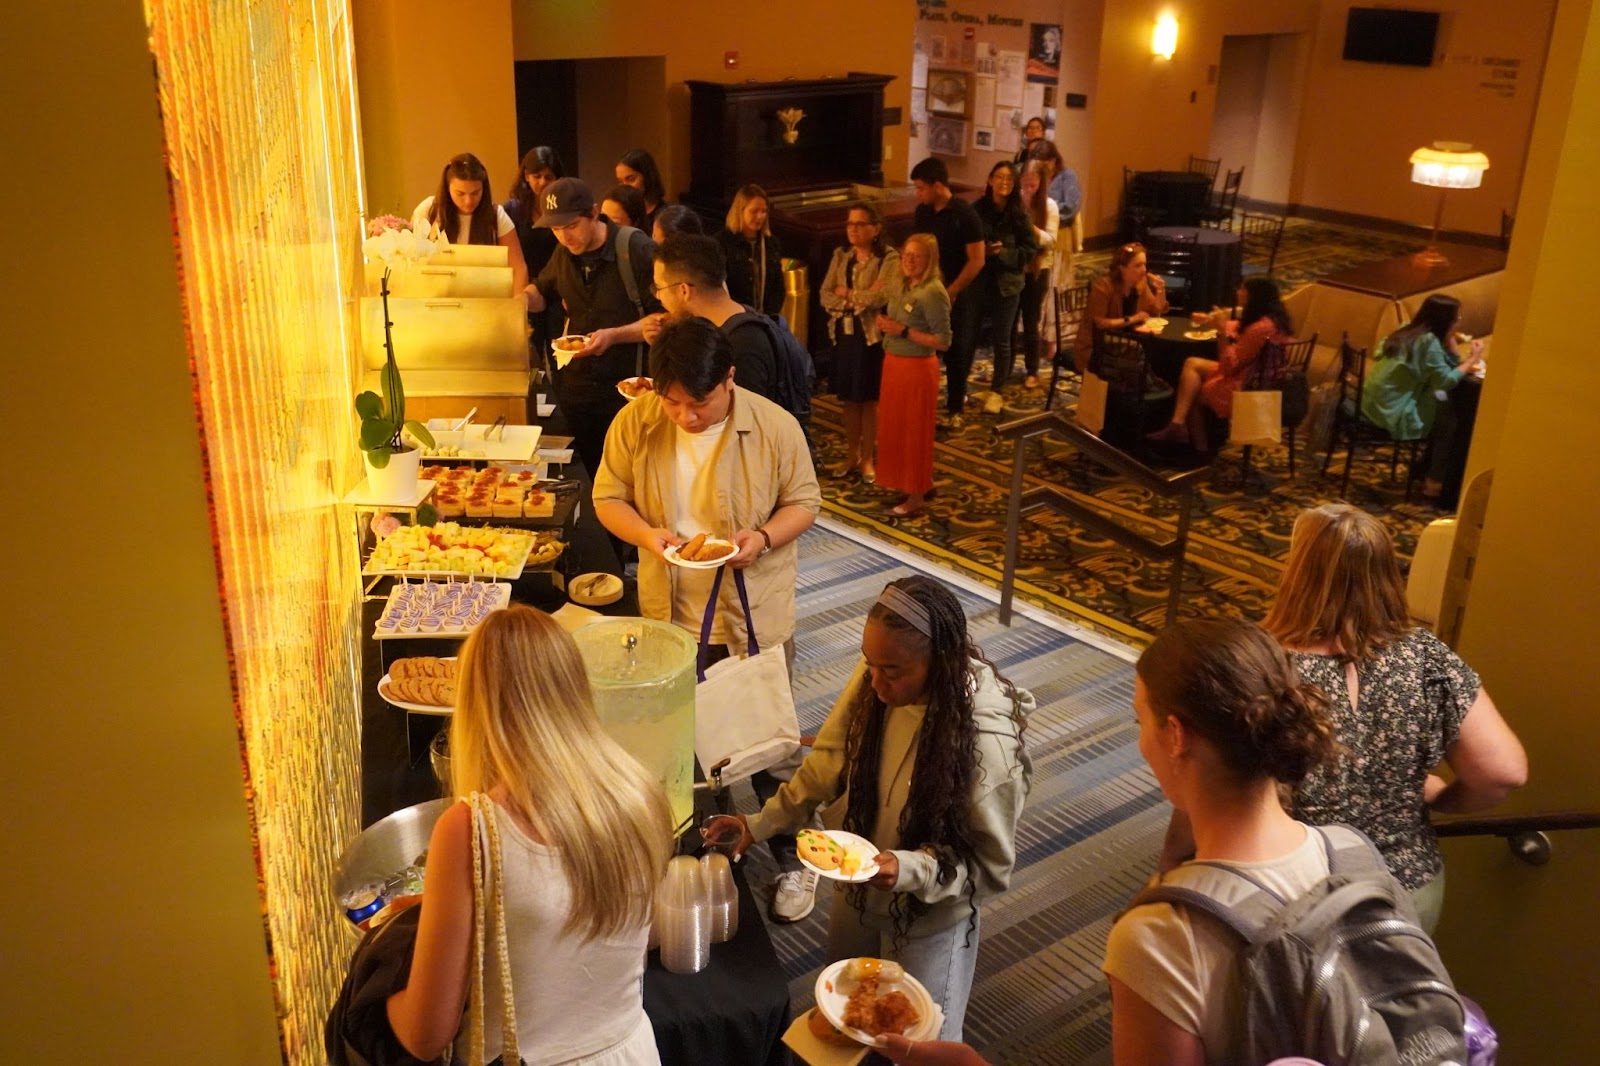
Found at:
<point>702,455</point>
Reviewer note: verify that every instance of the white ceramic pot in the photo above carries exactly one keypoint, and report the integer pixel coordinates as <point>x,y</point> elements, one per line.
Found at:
<point>396,482</point>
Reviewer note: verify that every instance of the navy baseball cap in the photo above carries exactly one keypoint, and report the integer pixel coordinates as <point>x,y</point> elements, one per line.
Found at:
<point>563,201</point>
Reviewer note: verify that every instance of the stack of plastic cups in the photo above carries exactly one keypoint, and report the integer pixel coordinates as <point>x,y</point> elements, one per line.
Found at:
<point>683,917</point>
<point>722,894</point>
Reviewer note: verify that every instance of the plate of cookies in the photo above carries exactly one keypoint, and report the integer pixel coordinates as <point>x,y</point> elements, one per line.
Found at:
<point>422,684</point>
<point>702,552</point>
<point>836,854</point>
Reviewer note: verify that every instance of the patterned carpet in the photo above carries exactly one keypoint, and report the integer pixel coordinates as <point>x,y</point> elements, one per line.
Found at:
<point>1088,836</point>
<point>1239,535</point>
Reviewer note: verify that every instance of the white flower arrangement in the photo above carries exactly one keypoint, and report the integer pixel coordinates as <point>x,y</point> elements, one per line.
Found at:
<point>392,240</point>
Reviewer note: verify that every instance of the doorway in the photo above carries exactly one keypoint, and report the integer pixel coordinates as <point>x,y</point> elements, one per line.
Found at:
<point>1258,113</point>
<point>593,110</point>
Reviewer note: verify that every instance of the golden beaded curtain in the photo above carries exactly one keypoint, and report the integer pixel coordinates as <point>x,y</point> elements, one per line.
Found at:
<point>258,105</point>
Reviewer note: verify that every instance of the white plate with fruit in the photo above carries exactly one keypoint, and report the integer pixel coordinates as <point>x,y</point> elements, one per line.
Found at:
<point>837,855</point>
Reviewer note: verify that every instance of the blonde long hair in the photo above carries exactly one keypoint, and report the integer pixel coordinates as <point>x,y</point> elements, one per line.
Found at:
<point>1341,583</point>
<point>525,724</point>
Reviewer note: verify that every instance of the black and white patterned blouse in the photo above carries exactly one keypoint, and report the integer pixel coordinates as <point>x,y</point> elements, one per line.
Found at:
<point>1412,698</point>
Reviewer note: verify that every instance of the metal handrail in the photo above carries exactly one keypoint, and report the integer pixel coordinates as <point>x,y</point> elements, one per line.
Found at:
<point>1026,501</point>
<point>1524,834</point>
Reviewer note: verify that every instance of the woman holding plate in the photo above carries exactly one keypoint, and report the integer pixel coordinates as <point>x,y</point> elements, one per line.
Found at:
<point>923,754</point>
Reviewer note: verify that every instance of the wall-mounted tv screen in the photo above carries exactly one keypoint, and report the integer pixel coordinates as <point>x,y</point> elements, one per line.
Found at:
<point>1389,35</point>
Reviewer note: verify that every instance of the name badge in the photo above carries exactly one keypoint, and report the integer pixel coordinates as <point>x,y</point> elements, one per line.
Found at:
<point>849,325</point>
<point>909,307</point>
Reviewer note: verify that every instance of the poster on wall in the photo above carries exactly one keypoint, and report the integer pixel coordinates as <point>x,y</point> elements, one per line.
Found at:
<point>1008,129</point>
<point>919,105</point>
<point>947,136</point>
<point>947,92</point>
<point>934,44</point>
<point>982,111</point>
<point>1011,70</point>
<point>1044,52</point>
<point>919,68</point>
<point>988,60</point>
<point>1032,101</point>
<point>983,138</point>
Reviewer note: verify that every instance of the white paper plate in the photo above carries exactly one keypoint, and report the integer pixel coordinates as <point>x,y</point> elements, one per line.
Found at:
<point>831,1002</point>
<point>648,384</point>
<point>846,840</point>
<point>1200,335</point>
<point>562,357</point>
<point>588,592</point>
<point>711,564</point>
<point>406,705</point>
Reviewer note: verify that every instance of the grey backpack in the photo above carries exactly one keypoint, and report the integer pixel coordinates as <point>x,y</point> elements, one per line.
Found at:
<point>1343,975</point>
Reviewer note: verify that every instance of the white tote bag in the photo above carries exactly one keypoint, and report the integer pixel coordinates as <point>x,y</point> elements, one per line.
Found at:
<point>743,706</point>
<point>1092,402</point>
<point>1257,418</point>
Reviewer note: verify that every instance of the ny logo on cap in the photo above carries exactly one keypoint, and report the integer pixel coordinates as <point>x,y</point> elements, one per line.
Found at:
<point>550,202</point>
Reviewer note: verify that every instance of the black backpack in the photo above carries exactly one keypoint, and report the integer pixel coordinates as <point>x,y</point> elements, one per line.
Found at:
<point>795,373</point>
<point>1343,975</point>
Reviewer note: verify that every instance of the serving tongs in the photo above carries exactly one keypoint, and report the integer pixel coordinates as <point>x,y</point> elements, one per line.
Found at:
<point>496,432</point>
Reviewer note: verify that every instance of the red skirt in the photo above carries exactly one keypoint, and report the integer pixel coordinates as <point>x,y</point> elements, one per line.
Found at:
<point>907,403</point>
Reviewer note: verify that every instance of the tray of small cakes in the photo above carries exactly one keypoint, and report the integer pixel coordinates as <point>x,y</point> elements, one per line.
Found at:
<point>498,493</point>
<point>438,609</point>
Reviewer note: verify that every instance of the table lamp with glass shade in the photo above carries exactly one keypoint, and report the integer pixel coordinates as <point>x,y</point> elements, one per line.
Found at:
<point>1446,165</point>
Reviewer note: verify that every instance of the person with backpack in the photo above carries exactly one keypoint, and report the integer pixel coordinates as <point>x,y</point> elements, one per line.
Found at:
<point>691,279</point>
<point>600,274</point>
<point>1260,331</point>
<point>1278,938</point>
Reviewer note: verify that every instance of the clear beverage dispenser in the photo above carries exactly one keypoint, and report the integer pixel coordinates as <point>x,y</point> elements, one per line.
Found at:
<point>643,677</point>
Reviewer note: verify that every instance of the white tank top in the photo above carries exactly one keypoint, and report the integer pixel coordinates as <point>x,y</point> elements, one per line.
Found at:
<point>576,1000</point>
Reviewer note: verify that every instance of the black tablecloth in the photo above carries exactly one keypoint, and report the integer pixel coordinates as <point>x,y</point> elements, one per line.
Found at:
<point>1168,349</point>
<point>1177,195</point>
<point>733,1011</point>
<point>1464,397</point>
<point>1214,275</point>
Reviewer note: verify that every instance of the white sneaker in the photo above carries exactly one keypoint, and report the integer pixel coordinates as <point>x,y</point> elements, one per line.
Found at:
<point>796,895</point>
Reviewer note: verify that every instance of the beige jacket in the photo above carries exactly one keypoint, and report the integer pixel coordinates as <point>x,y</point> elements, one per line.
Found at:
<point>763,465</point>
<point>873,282</point>
<point>1004,776</point>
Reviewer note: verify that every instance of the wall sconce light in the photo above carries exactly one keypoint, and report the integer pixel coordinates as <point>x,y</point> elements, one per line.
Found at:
<point>1446,165</point>
<point>1164,39</point>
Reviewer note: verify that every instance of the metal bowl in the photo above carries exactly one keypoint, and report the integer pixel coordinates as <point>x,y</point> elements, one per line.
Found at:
<point>388,846</point>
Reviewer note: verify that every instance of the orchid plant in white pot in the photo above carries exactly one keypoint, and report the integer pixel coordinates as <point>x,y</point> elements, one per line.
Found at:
<point>392,461</point>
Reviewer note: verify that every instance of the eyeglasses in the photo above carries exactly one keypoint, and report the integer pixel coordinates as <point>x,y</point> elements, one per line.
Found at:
<point>656,290</point>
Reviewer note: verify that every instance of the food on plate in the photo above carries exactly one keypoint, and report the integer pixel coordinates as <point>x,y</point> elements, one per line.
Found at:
<point>703,549</point>
<point>433,691</point>
<point>887,972</point>
<point>819,849</point>
<point>450,547</point>
<point>422,666</point>
<point>633,388</point>
<point>875,1012</point>
<point>826,1031</point>
<point>573,342</point>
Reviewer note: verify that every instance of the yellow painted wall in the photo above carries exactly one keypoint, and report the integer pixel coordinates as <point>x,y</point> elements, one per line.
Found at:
<point>820,38</point>
<point>1144,118</point>
<point>435,79</point>
<point>1362,120</point>
<point>1524,940</point>
<point>132,923</point>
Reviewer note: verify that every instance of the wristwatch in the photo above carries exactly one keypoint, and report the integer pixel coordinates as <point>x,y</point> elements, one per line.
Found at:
<point>765,536</point>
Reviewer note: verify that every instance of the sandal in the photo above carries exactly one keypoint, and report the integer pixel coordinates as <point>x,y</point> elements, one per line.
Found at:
<point>903,510</point>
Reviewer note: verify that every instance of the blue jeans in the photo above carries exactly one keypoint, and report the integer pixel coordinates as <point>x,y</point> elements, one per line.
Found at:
<point>943,961</point>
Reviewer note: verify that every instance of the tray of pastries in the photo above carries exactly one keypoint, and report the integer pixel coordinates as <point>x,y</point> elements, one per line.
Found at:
<point>492,492</point>
<point>451,548</point>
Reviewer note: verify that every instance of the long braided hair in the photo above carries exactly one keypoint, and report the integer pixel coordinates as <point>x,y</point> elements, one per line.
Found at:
<point>938,811</point>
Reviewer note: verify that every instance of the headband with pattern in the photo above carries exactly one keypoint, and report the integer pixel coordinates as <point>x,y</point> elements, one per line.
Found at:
<point>906,606</point>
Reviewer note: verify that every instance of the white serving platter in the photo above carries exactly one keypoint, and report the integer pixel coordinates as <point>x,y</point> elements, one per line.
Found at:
<point>502,598</point>
<point>368,570</point>
<point>514,444</point>
<point>407,705</point>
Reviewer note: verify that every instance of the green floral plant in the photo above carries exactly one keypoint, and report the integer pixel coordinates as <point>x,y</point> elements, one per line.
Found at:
<point>383,418</point>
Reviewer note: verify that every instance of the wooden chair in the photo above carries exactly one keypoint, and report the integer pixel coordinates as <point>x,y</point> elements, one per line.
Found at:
<point>1208,167</point>
<point>1134,394</point>
<point>1350,426</point>
<point>1259,237</point>
<point>1220,214</point>
<point>1071,306</point>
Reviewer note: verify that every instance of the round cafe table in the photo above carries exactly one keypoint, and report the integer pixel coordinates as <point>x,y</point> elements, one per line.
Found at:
<point>1214,272</point>
<point>1168,349</point>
